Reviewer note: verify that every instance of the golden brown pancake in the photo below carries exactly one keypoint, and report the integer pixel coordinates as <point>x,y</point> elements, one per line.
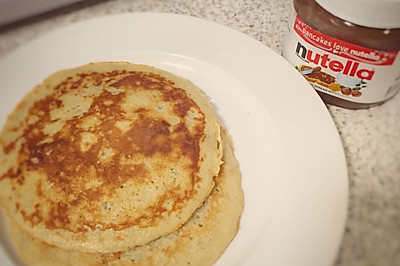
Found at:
<point>108,156</point>
<point>199,242</point>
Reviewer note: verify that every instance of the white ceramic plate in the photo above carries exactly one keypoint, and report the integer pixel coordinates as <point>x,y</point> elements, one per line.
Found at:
<point>291,158</point>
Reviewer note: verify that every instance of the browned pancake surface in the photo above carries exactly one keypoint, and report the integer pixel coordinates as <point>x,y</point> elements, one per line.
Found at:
<point>103,151</point>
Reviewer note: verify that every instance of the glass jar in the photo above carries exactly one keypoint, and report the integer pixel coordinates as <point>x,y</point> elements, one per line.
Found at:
<point>347,50</point>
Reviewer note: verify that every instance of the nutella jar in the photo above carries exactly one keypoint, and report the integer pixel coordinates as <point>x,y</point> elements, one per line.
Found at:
<point>347,49</point>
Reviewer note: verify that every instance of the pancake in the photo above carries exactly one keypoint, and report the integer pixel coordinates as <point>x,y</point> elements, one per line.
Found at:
<point>108,156</point>
<point>200,241</point>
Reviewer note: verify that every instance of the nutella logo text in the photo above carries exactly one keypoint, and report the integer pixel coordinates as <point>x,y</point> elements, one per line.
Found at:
<point>341,48</point>
<point>349,67</point>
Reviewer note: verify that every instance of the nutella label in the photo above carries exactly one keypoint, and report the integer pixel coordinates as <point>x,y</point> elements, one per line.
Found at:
<point>339,68</point>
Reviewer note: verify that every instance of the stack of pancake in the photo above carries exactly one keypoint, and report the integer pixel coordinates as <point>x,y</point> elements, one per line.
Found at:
<point>120,164</point>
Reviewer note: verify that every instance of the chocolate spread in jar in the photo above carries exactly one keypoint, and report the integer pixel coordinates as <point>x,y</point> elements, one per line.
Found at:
<point>356,48</point>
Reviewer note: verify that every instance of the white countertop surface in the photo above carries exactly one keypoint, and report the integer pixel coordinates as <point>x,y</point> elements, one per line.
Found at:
<point>370,137</point>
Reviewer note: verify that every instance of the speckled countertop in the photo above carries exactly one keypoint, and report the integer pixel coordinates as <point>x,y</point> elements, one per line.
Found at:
<point>371,137</point>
